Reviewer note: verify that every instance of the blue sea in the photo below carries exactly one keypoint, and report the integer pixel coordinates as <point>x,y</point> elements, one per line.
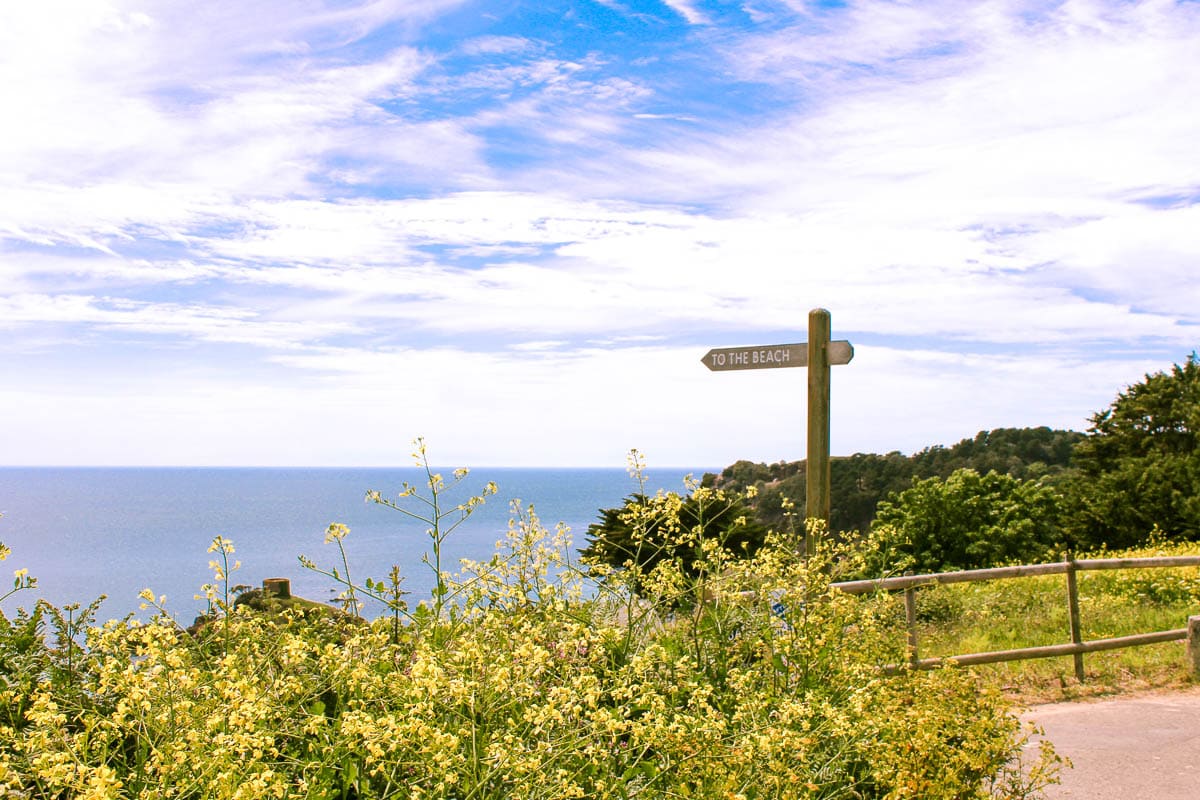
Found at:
<point>87,531</point>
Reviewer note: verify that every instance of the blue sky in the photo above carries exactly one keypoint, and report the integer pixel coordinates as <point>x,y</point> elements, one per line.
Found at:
<point>304,233</point>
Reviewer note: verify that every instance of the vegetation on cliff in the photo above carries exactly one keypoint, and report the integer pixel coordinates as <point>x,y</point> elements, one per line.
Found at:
<point>738,678</point>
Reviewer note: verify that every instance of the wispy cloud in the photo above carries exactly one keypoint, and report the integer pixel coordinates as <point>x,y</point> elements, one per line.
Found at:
<point>209,323</point>
<point>222,102</point>
<point>337,194</point>
<point>687,9</point>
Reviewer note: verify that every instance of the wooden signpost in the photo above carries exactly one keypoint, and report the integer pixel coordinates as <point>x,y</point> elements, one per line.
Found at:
<point>818,354</point>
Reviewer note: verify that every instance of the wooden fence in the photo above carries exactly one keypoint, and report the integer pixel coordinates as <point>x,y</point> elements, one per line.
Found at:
<point>1077,647</point>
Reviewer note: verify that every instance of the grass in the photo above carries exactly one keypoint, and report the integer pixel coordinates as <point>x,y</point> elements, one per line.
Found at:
<point>1027,612</point>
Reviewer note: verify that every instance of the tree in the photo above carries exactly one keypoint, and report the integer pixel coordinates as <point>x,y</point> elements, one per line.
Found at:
<point>970,521</point>
<point>1020,452</point>
<point>646,531</point>
<point>860,481</point>
<point>1139,466</point>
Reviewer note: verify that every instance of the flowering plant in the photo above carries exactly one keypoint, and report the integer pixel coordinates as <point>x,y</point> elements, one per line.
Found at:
<point>520,677</point>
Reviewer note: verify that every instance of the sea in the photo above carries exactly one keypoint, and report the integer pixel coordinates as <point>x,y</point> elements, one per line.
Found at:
<point>84,532</point>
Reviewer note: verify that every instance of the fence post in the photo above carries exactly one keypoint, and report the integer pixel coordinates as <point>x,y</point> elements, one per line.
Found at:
<point>1073,609</point>
<point>277,587</point>
<point>1193,645</point>
<point>910,616</point>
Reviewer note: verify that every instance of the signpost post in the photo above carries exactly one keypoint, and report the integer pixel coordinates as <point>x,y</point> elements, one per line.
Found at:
<point>818,354</point>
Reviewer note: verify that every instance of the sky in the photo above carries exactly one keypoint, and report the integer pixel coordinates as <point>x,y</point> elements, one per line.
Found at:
<point>306,232</point>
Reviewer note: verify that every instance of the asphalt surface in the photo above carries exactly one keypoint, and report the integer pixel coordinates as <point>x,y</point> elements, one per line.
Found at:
<point>1142,747</point>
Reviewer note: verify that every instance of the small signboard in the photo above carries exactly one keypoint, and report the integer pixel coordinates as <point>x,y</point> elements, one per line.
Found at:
<point>773,356</point>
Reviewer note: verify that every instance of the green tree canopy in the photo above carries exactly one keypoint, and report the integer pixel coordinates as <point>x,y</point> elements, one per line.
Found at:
<point>860,481</point>
<point>1139,466</point>
<point>970,521</point>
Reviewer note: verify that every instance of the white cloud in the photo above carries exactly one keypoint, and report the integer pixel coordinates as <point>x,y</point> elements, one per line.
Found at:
<point>323,192</point>
<point>206,323</point>
<point>535,408</point>
<point>1147,257</point>
<point>490,45</point>
<point>687,9</point>
<point>615,269</point>
<point>220,100</point>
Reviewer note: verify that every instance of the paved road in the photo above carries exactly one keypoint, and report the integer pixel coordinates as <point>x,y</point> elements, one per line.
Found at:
<point>1142,747</point>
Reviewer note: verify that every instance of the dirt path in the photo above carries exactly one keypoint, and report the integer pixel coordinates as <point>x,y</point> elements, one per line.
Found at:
<point>1139,747</point>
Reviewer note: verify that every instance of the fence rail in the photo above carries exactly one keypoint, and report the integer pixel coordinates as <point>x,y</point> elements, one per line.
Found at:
<point>1076,647</point>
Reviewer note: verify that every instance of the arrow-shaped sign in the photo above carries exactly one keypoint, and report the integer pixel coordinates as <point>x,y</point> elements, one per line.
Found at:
<point>773,356</point>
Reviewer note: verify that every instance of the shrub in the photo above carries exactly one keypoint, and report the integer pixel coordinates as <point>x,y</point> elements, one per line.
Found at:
<point>970,521</point>
<point>668,534</point>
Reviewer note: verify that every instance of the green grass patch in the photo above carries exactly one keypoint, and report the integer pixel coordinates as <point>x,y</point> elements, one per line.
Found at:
<point>1014,613</point>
